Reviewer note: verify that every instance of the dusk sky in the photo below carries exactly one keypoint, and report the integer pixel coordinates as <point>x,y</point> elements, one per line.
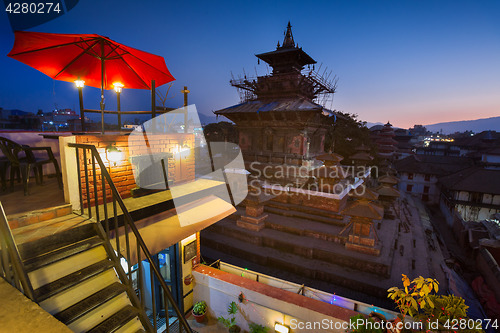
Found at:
<point>409,62</point>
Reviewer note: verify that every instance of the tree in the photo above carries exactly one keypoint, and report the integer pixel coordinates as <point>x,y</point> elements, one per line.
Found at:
<point>221,132</point>
<point>346,133</point>
<point>419,300</point>
<point>164,97</point>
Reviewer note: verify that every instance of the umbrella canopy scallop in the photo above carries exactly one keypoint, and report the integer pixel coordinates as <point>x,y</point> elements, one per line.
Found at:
<point>97,60</point>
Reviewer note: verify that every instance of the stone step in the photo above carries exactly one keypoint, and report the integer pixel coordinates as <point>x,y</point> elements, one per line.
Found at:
<point>37,216</point>
<point>303,227</point>
<point>291,213</point>
<point>308,248</point>
<point>320,215</point>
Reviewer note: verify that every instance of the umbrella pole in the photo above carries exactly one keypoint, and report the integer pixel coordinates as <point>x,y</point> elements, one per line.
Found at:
<point>102,110</point>
<point>102,86</point>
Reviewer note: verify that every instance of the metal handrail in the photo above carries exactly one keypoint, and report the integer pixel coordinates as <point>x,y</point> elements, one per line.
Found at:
<point>129,223</point>
<point>10,258</point>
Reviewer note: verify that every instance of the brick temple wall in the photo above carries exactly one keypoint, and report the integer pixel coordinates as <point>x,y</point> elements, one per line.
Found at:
<point>300,199</point>
<point>122,173</point>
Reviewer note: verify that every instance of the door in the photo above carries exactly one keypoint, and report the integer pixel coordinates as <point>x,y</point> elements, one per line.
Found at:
<point>170,269</point>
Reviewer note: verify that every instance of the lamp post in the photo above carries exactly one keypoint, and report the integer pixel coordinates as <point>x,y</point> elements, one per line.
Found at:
<point>79,85</point>
<point>185,92</point>
<point>118,89</point>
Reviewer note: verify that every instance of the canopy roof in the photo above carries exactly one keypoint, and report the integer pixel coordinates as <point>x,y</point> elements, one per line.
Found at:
<point>330,157</point>
<point>387,191</point>
<point>366,209</point>
<point>388,179</point>
<point>278,105</point>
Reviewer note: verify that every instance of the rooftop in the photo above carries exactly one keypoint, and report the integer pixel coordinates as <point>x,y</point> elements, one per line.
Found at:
<point>474,179</point>
<point>432,164</point>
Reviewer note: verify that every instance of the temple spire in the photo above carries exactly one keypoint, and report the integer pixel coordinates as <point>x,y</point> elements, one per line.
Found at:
<point>288,41</point>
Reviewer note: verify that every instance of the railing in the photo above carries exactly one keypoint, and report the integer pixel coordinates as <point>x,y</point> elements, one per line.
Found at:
<point>11,267</point>
<point>301,289</point>
<point>111,225</point>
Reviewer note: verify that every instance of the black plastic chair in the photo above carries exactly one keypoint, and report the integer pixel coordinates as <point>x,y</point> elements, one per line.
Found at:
<point>22,158</point>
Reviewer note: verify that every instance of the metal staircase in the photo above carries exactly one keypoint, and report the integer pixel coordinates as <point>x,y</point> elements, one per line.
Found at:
<point>75,273</point>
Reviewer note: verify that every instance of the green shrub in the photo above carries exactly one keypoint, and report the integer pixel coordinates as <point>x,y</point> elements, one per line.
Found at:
<point>231,321</point>
<point>200,308</point>
<point>256,328</point>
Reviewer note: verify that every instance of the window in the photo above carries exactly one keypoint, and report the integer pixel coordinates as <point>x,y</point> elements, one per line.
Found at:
<point>426,189</point>
<point>427,178</point>
<point>269,142</point>
<point>281,144</point>
<point>476,197</point>
<point>409,187</point>
<point>410,176</point>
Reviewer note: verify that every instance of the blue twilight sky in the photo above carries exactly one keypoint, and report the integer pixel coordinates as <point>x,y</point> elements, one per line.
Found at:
<point>407,61</point>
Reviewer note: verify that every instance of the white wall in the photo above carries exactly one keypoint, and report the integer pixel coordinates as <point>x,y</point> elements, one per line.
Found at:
<point>419,184</point>
<point>187,269</point>
<point>473,213</point>
<point>258,308</point>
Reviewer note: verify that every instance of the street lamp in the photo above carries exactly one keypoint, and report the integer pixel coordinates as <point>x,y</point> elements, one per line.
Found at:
<point>79,85</point>
<point>118,88</point>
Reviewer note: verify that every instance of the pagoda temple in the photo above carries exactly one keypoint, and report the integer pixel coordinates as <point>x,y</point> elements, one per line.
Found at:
<point>279,119</point>
<point>319,221</point>
<point>386,143</point>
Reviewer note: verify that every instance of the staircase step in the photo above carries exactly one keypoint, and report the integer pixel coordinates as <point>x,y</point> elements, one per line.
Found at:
<point>116,321</point>
<point>86,305</point>
<point>72,279</point>
<point>133,326</point>
<point>37,216</point>
<point>37,247</point>
<point>100,314</point>
<point>61,253</point>
<point>64,267</point>
<point>75,294</point>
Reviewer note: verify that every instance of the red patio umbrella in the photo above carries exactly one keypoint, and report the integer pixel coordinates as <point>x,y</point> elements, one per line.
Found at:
<point>97,60</point>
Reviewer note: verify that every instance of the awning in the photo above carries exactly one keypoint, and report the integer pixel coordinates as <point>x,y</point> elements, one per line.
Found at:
<point>163,230</point>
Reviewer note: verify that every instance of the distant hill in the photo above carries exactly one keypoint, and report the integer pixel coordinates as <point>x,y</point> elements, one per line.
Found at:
<point>477,125</point>
<point>370,125</point>
<point>15,112</point>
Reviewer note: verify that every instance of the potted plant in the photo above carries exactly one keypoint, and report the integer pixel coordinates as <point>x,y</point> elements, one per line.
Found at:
<point>230,323</point>
<point>257,328</point>
<point>199,311</point>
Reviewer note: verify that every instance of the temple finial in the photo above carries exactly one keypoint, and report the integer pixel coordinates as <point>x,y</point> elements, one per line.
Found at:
<point>288,41</point>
